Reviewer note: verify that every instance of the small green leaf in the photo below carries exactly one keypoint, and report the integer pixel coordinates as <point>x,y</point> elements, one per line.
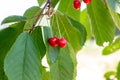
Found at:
<point>114,5</point>
<point>52,52</point>
<point>14,18</point>
<point>118,71</point>
<point>31,15</point>
<point>22,61</point>
<point>108,74</point>
<point>84,19</point>
<point>7,38</point>
<point>81,28</point>
<point>32,12</point>
<point>38,38</point>
<point>112,47</point>
<point>102,24</point>
<point>116,19</point>
<point>54,2</point>
<point>65,66</point>
<point>66,7</point>
<point>40,2</point>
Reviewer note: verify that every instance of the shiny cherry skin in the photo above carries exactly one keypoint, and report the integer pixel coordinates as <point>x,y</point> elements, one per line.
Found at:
<point>53,41</point>
<point>87,1</point>
<point>77,4</point>
<point>62,42</point>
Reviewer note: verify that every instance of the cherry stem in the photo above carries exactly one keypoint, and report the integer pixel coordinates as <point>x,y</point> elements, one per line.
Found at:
<point>48,4</point>
<point>58,27</point>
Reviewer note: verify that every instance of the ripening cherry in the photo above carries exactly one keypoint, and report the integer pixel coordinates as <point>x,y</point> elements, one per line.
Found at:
<point>77,4</point>
<point>53,41</point>
<point>62,42</point>
<point>87,1</point>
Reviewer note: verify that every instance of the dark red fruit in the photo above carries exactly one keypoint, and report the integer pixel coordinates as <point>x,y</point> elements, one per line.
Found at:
<point>87,1</point>
<point>77,4</point>
<point>53,41</point>
<point>62,42</point>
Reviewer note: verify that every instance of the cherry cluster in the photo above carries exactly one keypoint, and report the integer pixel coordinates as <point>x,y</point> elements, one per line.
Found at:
<point>61,42</point>
<point>77,3</point>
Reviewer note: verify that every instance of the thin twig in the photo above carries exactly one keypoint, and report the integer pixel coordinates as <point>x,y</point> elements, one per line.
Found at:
<point>105,2</point>
<point>40,14</point>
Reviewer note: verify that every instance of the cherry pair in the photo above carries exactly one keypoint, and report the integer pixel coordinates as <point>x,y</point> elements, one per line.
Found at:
<point>77,3</point>
<point>87,1</point>
<point>61,42</point>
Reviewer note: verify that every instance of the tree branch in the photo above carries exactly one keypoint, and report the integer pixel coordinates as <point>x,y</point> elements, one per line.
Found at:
<point>48,4</point>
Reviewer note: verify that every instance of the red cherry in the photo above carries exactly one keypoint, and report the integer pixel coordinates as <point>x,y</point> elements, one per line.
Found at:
<point>53,41</point>
<point>77,4</point>
<point>87,1</point>
<point>62,42</point>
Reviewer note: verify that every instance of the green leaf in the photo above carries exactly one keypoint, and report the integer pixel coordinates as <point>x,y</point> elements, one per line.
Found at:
<point>54,2</point>
<point>65,66</point>
<point>7,38</point>
<point>118,71</point>
<point>81,28</point>
<point>101,22</point>
<point>108,74</point>
<point>116,18</point>
<point>31,15</point>
<point>62,26</point>
<point>2,74</point>
<point>114,15</point>
<point>14,18</point>
<point>112,48</point>
<point>40,2</point>
<point>66,6</point>
<point>84,19</point>
<point>45,74</point>
<point>32,12</point>
<point>114,5</point>
<point>38,38</point>
<point>62,62</point>
<point>52,52</point>
<point>22,61</point>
